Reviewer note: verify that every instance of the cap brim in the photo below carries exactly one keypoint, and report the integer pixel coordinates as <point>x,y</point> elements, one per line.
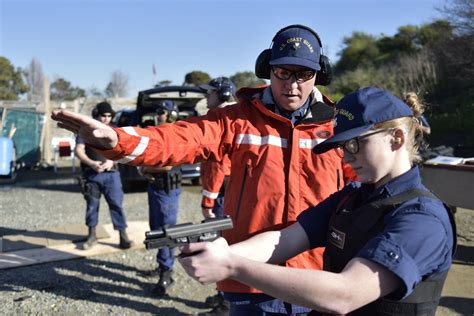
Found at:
<point>332,141</point>
<point>296,61</point>
<point>206,87</point>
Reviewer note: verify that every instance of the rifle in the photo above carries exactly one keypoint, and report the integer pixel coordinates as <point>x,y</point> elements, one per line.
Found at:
<point>181,234</point>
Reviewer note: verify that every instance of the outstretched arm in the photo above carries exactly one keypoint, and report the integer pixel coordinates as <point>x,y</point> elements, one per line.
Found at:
<point>92,131</point>
<point>274,246</point>
<point>185,141</point>
<point>361,282</point>
<point>271,246</point>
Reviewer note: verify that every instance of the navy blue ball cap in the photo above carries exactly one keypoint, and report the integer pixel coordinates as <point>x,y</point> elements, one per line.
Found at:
<point>296,46</point>
<point>218,83</point>
<point>167,105</point>
<point>359,111</point>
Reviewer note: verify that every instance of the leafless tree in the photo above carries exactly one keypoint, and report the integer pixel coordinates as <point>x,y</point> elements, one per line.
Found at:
<point>118,85</point>
<point>417,72</point>
<point>458,66</point>
<point>460,13</point>
<point>34,80</point>
<point>93,91</point>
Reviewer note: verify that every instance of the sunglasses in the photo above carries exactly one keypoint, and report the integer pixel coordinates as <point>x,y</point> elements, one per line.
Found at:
<point>105,115</point>
<point>161,112</point>
<point>352,146</point>
<point>300,76</point>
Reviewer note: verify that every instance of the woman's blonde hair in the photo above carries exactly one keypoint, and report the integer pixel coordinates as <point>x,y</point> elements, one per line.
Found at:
<point>412,125</point>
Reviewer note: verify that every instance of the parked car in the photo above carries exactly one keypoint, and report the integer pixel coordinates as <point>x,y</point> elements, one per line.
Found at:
<point>191,101</point>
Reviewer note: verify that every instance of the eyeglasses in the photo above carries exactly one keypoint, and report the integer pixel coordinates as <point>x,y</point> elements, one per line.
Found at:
<point>352,146</point>
<point>300,76</point>
<point>106,115</point>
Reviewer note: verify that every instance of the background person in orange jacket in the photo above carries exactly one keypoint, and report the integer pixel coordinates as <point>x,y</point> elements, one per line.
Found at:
<point>220,93</point>
<point>268,135</point>
<point>215,174</point>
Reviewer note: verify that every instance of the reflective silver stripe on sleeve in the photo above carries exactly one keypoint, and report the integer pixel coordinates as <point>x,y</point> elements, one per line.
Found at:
<point>130,130</point>
<point>140,149</point>
<point>259,141</point>
<point>210,195</point>
<point>306,143</point>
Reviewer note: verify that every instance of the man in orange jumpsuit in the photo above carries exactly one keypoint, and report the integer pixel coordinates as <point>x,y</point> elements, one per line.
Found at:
<point>215,174</point>
<point>268,135</point>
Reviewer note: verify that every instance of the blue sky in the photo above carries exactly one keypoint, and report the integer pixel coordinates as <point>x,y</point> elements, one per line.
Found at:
<point>85,41</point>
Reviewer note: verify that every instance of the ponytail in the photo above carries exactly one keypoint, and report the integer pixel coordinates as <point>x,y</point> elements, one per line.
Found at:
<point>412,125</point>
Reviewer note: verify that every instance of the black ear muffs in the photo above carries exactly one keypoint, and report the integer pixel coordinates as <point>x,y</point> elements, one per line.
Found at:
<point>173,115</point>
<point>224,95</point>
<point>95,112</point>
<point>263,68</point>
<point>262,65</point>
<point>324,75</point>
<point>224,92</point>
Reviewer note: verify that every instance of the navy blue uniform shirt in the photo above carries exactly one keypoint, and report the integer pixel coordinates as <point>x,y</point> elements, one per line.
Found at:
<point>419,231</point>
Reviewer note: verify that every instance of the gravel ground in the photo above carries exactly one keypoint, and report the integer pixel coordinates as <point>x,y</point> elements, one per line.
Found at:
<point>106,284</point>
<point>115,284</point>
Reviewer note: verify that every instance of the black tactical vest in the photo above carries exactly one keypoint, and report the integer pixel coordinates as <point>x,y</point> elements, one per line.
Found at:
<point>167,181</point>
<point>93,155</point>
<point>350,229</point>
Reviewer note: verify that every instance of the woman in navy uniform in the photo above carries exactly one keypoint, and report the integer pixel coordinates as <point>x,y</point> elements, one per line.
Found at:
<point>389,241</point>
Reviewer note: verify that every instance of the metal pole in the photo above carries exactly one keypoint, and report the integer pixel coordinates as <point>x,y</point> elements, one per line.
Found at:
<point>47,151</point>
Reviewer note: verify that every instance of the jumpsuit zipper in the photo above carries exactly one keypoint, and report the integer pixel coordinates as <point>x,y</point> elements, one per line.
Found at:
<point>338,180</point>
<point>244,179</point>
<point>284,220</point>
